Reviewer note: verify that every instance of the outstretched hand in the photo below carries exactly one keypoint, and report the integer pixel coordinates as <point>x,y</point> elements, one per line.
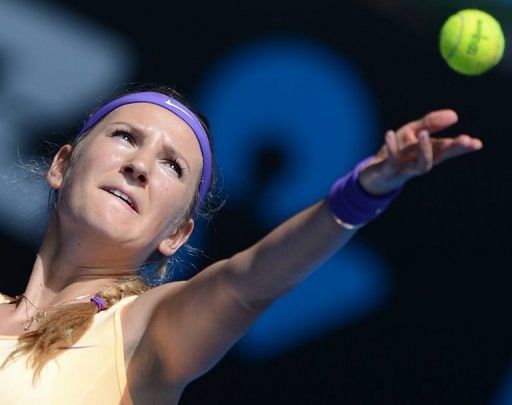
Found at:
<point>411,152</point>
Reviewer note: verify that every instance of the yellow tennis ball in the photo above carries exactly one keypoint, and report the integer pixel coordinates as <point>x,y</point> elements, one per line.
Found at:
<point>471,42</point>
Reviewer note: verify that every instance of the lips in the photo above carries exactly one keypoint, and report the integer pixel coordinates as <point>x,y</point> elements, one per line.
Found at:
<point>123,195</point>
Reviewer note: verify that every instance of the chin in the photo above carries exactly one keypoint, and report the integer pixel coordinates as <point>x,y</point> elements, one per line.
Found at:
<point>102,222</point>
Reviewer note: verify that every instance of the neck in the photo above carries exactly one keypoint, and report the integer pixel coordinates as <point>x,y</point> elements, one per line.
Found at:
<point>65,269</point>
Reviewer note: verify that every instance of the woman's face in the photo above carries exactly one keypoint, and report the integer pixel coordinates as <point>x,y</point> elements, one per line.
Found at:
<point>133,180</point>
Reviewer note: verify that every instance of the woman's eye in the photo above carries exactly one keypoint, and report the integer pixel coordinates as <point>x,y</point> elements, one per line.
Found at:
<point>124,135</point>
<point>176,167</point>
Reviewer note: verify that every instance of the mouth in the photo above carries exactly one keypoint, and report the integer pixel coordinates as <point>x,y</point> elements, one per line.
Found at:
<point>123,196</point>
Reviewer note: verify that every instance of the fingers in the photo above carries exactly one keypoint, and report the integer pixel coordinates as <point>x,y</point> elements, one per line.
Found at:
<point>434,121</point>
<point>405,137</point>
<point>392,145</point>
<point>469,142</point>
<point>410,151</point>
<point>425,159</point>
<point>447,148</point>
<point>412,160</point>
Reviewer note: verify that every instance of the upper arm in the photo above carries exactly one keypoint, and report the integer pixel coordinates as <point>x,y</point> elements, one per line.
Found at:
<point>188,326</point>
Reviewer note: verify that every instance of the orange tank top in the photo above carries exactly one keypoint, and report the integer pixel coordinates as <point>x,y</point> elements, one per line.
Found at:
<point>92,371</point>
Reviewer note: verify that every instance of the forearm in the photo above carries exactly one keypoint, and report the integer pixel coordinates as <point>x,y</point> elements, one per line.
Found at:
<point>287,255</point>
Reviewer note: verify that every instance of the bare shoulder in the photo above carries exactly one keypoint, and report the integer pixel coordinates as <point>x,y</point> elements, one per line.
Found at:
<point>179,331</point>
<point>136,316</point>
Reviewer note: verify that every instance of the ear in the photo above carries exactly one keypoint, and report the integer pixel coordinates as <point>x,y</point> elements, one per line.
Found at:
<point>173,242</point>
<point>59,166</point>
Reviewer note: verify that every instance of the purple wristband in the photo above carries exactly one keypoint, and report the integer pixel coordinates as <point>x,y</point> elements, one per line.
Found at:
<point>352,204</point>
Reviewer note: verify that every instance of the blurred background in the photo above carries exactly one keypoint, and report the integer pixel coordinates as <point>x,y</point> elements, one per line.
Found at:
<point>416,309</point>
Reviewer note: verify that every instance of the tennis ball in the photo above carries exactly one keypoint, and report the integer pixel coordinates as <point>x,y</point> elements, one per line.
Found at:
<point>471,42</point>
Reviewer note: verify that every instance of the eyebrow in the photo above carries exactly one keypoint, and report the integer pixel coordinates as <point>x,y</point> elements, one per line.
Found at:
<point>167,146</point>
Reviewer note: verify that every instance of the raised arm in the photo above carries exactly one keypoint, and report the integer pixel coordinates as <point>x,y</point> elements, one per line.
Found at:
<point>192,324</point>
<point>294,249</point>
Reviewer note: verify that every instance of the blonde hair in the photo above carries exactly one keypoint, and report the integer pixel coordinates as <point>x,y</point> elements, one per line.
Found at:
<point>67,324</point>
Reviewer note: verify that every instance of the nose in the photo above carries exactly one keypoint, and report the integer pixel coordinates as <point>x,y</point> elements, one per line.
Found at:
<point>136,169</point>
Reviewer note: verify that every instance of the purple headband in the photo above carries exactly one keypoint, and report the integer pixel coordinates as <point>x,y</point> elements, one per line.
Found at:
<point>176,108</point>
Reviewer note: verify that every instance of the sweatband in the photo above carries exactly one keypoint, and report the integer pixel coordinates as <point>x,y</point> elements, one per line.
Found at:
<point>176,108</point>
<point>352,204</point>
